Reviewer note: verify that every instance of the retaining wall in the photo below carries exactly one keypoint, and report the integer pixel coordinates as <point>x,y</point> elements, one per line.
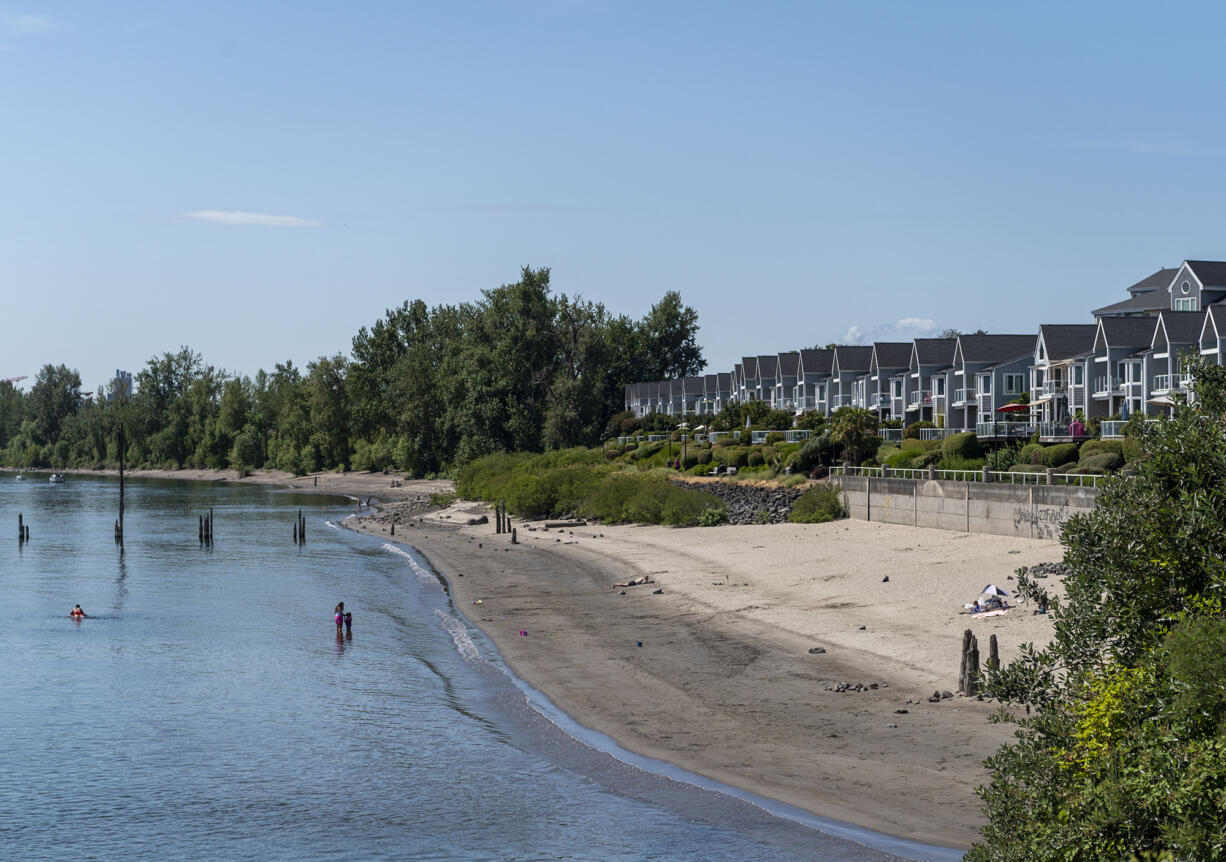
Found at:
<point>1023,511</point>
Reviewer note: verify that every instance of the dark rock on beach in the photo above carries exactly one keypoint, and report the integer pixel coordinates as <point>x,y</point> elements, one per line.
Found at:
<point>746,504</point>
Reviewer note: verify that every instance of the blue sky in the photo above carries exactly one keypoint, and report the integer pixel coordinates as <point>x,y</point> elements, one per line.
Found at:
<point>798,171</point>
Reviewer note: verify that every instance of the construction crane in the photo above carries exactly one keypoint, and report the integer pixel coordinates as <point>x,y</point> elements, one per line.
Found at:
<point>14,379</point>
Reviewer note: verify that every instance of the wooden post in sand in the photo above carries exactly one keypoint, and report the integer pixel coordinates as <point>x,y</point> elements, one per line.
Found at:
<point>968,677</point>
<point>514,538</point>
<point>993,655</point>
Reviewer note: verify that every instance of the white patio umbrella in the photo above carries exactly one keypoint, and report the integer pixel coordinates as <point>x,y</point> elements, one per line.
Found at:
<point>993,590</point>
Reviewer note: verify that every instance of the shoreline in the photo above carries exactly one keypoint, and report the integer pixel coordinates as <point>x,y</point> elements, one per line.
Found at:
<point>723,685</point>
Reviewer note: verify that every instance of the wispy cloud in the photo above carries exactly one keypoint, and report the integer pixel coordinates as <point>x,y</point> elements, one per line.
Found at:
<point>19,24</point>
<point>235,217</point>
<point>903,329</point>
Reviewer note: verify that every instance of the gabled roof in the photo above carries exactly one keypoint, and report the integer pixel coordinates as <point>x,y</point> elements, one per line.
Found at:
<point>692,385</point>
<point>789,362</point>
<point>1150,300</point>
<point>1181,327</point>
<point>818,361</point>
<point>890,354</point>
<point>933,351</point>
<point>724,381</point>
<point>853,358</point>
<point>1210,273</point>
<point>710,382</point>
<point>749,365</point>
<point>1215,322</point>
<point>1120,332</point>
<point>1067,340</point>
<point>767,366</point>
<point>994,348</point>
<point>1156,281</point>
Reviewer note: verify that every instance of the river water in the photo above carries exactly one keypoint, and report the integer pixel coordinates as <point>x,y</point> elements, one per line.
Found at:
<point>206,709</point>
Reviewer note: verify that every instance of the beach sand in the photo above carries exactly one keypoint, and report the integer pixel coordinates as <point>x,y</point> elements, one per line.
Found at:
<point>724,684</point>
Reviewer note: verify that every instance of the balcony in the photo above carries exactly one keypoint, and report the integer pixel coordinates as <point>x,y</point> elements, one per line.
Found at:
<point>920,398</point>
<point>1170,383</point>
<point>984,402</point>
<point>1077,396</point>
<point>963,397</point>
<point>1102,387</point>
<point>1052,387</point>
<point>890,435</point>
<point>878,400</point>
<point>1003,430</point>
<point>1056,431</point>
<point>1113,429</point>
<point>840,401</point>
<point>938,433</point>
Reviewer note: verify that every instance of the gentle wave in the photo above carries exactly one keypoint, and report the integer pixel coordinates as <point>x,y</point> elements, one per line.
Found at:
<point>459,635</point>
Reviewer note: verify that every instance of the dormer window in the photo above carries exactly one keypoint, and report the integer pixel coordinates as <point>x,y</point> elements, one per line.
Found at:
<point>1185,303</point>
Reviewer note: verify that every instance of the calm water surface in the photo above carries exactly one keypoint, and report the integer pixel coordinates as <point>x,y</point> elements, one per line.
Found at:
<point>206,710</point>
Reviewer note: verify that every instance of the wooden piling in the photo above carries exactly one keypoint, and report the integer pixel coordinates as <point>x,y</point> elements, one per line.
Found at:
<point>119,521</point>
<point>514,539</point>
<point>201,529</point>
<point>27,532</point>
<point>993,655</point>
<point>966,651</point>
<point>210,525</point>
<point>21,530</point>
<point>295,532</point>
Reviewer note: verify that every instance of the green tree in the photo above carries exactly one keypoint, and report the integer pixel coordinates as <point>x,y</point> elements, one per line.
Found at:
<point>855,428</point>
<point>670,340</point>
<point>1123,750</point>
<point>53,398</point>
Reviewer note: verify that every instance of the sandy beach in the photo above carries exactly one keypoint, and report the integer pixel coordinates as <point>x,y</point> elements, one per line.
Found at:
<point>724,683</point>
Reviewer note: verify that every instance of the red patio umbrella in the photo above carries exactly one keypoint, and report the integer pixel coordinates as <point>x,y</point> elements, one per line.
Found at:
<point>1012,408</point>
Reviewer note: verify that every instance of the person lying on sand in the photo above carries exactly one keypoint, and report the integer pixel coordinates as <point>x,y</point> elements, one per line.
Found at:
<point>634,582</point>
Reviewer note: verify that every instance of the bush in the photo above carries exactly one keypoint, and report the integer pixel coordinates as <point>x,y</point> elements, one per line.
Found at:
<point>913,444</point>
<point>912,430</point>
<point>704,457</point>
<point>1132,449</point>
<point>632,499</point>
<point>1031,454</point>
<point>1066,467</point>
<point>774,437</point>
<point>964,445</point>
<point>927,459</point>
<point>713,518</point>
<point>769,453</point>
<point>755,458</point>
<point>731,456</point>
<point>902,458</point>
<point>956,462</point>
<point>817,505</point>
<point>1093,447</point>
<point>442,499</point>
<point>1106,461</point>
<point>1027,468</point>
<point>1060,453</point>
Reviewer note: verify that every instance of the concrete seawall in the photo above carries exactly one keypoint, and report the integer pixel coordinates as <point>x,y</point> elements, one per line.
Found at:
<point>1024,511</point>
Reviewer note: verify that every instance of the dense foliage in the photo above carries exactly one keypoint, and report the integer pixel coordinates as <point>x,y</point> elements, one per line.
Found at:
<point>1123,750</point>
<point>579,483</point>
<point>425,389</point>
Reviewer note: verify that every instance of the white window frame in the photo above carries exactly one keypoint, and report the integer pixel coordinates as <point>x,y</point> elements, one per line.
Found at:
<point>1014,384</point>
<point>1185,303</point>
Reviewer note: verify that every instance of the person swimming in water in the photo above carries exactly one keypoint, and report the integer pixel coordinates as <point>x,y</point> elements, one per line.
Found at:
<point>77,613</point>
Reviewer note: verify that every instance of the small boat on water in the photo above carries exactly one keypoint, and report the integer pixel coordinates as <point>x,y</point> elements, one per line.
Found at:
<point>57,477</point>
<point>21,477</point>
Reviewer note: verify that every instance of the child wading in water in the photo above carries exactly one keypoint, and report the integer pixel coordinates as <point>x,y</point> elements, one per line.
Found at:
<point>338,616</point>
<point>348,624</point>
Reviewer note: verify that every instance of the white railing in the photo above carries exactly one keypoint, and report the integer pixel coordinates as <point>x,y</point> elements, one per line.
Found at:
<point>1167,382</point>
<point>1052,387</point>
<point>937,433</point>
<point>877,400</point>
<point>963,396</point>
<point>1008,430</point>
<point>1114,428</point>
<point>920,397</point>
<point>1102,386</point>
<point>791,435</point>
<point>840,401</point>
<point>806,402</point>
<point>984,402</point>
<point>1077,395</point>
<point>1004,477</point>
<point>890,435</point>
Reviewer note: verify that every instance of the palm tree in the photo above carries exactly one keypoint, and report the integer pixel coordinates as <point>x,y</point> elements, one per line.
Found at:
<point>856,429</point>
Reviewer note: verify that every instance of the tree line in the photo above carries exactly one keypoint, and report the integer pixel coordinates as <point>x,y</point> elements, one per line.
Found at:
<point>424,389</point>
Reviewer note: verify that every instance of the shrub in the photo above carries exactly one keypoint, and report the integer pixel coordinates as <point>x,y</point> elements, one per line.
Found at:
<point>1060,453</point>
<point>956,462</point>
<point>1093,447</point>
<point>755,458</point>
<point>1132,450</point>
<point>1066,467</point>
<point>623,499</point>
<point>1031,454</point>
<point>731,456</point>
<point>1102,461</point>
<point>769,453</point>
<point>902,458</point>
<point>912,430</point>
<point>690,459</point>
<point>713,518</point>
<point>774,437</point>
<point>1027,467</point>
<point>704,457</point>
<point>631,446</point>
<point>964,445</point>
<point>817,450</point>
<point>915,444</point>
<point>442,499</point>
<point>817,505</point>
<point>927,459</point>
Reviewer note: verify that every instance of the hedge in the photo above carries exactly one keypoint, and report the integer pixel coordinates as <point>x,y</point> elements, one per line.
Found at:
<point>704,456</point>
<point>1093,447</point>
<point>817,505</point>
<point>1051,456</point>
<point>755,459</point>
<point>964,445</point>
<point>1027,455</point>
<point>1027,468</point>
<point>1102,460</point>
